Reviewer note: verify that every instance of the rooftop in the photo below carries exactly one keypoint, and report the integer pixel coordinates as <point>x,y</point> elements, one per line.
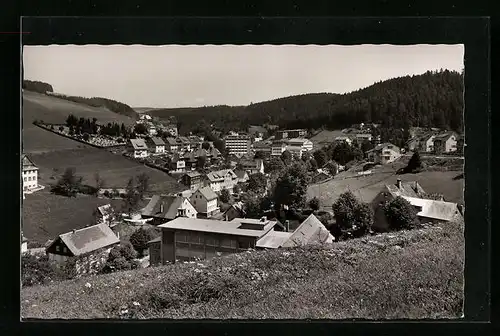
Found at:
<point>217,226</point>
<point>220,174</point>
<point>158,141</point>
<point>434,209</point>
<point>89,239</point>
<point>27,163</point>
<point>273,239</point>
<point>309,231</point>
<point>138,144</point>
<point>208,193</point>
<point>171,205</point>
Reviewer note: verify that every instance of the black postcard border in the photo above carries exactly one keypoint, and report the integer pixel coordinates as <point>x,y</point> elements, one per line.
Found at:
<point>473,32</point>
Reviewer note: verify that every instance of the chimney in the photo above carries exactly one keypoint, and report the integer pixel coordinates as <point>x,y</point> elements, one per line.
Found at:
<point>398,183</point>
<point>287,225</point>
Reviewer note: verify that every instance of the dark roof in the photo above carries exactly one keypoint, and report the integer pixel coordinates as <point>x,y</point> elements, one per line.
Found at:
<point>310,231</point>
<point>444,136</point>
<point>172,141</point>
<point>171,205</point>
<point>89,239</point>
<point>256,129</point>
<point>208,193</point>
<point>381,146</point>
<point>408,189</point>
<point>27,163</point>
<point>240,173</point>
<point>220,174</point>
<point>157,141</point>
<point>193,174</point>
<point>138,144</point>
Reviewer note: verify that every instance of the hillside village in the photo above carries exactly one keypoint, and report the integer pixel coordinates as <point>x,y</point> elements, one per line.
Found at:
<point>236,191</point>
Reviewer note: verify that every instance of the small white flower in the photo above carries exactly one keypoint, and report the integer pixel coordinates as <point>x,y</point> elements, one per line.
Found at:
<point>88,285</point>
<point>125,311</point>
<point>135,303</point>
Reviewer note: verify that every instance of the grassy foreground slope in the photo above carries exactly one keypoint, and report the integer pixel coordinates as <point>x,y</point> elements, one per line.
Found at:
<point>414,274</point>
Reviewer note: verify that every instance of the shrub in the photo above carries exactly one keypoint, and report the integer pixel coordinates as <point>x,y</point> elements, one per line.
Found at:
<point>121,258</point>
<point>314,203</point>
<point>414,165</point>
<point>61,128</point>
<point>400,214</point>
<point>69,184</point>
<point>353,218</point>
<point>39,270</point>
<point>224,196</point>
<point>140,238</point>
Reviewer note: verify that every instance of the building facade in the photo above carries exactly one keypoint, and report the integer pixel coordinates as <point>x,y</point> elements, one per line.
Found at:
<point>192,180</point>
<point>29,174</point>
<point>205,202</point>
<point>289,134</point>
<point>445,143</point>
<point>384,153</point>
<point>238,144</point>
<point>138,148</point>
<point>221,179</point>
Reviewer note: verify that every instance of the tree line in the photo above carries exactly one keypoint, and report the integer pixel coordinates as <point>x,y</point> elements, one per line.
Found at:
<point>37,86</point>
<point>433,99</point>
<point>90,126</point>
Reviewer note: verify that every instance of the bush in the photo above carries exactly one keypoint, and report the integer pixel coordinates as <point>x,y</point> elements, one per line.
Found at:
<point>69,184</point>
<point>353,218</point>
<point>121,258</point>
<point>400,214</point>
<point>314,203</point>
<point>224,196</point>
<point>140,238</point>
<point>39,270</point>
<point>414,165</point>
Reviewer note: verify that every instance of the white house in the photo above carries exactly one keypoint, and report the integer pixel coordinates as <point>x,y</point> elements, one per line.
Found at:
<point>445,143</point>
<point>384,153</point>
<point>426,143</point>
<point>30,175</point>
<point>157,145</point>
<point>221,179</point>
<point>204,201</point>
<point>163,208</point>
<point>252,166</point>
<point>152,130</point>
<point>139,148</point>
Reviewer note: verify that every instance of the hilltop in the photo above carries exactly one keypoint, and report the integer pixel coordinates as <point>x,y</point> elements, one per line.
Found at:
<point>433,99</point>
<point>422,270</point>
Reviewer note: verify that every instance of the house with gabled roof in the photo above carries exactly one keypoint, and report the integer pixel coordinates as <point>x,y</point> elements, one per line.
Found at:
<point>384,153</point>
<point>172,144</point>
<point>236,210</point>
<point>445,143</point>
<point>164,208</point>
<point>242,175</point>
<point>310,231</point>
<point>176,163</point>
<point>193,180</point>
<point>138,148</point>
<point>157,145</point>
<point>29,175</point>
<point>205,201</point>
<point>221,179</point>
<point>91,245</point>
<point>387,194</point>
<point>434,211</point>
<point>426,142</point>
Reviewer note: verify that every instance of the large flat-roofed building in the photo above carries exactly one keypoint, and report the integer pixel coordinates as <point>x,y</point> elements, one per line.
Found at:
<point>185,239</point>
<point>238,144</point>
<point>188,238</point>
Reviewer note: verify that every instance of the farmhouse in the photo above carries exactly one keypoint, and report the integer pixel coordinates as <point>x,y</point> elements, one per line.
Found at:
<point>310,231</point>
<point>163,208</point>
<point>445,143</point>
<point>30,175</point>
<point>204,201</point>
<point>157,145</point>
<point>221,179</point>
<point>91,245</point>
<point>383,153</point>
<point>138,148</point>
<point>192,180</point>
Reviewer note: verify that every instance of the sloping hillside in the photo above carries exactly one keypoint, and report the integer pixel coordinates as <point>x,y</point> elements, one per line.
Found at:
<point>433,99</point>
<point>413,274</point>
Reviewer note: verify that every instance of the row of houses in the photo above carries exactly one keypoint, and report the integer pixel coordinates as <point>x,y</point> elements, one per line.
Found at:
<point>296,146</point>
<point>153,127</point>
<point>141,148</point>
<point>435,142</point>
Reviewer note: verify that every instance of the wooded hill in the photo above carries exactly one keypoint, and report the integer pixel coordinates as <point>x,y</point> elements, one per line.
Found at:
<point>110,104</point>
<point>433,99</point>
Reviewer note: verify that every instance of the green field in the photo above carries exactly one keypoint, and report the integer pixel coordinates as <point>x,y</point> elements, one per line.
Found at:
<point>410,274</point>
<point>367,187</point>
<point>46,215</point>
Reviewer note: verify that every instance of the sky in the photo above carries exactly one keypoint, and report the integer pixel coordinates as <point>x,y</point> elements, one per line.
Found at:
<point>198,75</point>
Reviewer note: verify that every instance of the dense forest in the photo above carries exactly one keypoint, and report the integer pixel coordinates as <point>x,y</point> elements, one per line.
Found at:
<point>37,86</point>
<point>433,99</point>
<point>110,104</point>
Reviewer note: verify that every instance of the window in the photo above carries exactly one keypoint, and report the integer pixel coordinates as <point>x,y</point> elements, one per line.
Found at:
<point>211,241</point>
<point>229,243</point>
<point>58,248</point>
<point>181,237</point>
<point>196,238</point>
<point>29,178</point>
<point>25,179</point>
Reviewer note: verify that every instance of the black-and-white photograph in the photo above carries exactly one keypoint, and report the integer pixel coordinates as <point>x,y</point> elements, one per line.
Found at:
<point>242,181</point>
